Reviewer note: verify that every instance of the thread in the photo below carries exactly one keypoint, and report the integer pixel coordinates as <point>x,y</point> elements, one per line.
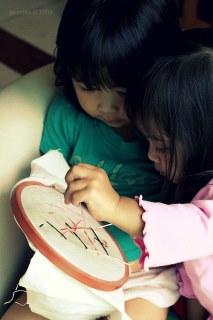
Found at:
<point>13,295</point>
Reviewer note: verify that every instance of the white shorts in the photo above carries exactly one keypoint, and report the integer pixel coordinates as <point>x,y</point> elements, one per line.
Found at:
<point>158,285</point>
<point>58,296</point>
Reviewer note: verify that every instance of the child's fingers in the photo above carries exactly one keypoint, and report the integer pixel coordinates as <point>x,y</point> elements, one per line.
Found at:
<point>87,165</point>
<point>81,171</point>
<point>69,177</point>
<point>78,171</point>
<point>79,196</point>
<point>74,186</point>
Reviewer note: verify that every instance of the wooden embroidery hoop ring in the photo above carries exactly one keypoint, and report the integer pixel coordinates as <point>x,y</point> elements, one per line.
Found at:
<point>20,200</point>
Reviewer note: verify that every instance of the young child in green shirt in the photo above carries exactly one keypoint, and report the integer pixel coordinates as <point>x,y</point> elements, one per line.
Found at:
<point>100,47</point>
<point>97,59</point>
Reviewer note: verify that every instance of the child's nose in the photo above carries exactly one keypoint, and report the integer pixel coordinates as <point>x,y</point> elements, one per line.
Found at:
<point>109,102</point>
<point>107,107</point>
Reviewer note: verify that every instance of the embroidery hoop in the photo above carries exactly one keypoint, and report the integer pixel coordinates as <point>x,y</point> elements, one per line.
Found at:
<point>91,255</point>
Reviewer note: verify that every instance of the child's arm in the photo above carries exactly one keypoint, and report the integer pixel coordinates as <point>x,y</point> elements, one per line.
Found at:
<point>91,185</point>
<point>154,223</point>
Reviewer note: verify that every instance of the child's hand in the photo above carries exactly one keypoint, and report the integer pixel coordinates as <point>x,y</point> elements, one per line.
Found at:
<point>89,184</point>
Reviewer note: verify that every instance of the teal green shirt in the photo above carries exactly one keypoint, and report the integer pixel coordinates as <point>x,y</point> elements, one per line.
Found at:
<point>82,138</point>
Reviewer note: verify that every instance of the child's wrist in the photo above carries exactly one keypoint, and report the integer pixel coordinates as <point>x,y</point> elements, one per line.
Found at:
<point>111,218</point>
<point>127,216</point>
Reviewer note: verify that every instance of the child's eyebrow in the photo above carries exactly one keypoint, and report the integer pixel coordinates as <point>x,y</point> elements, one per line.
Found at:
<point>152,137</point>
<point>160,140</point>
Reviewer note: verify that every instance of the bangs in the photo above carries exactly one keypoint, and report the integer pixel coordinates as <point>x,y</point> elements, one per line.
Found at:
<point>94,77</point>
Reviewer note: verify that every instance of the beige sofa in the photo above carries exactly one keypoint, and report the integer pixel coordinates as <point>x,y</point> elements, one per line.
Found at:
<point>23,106</point>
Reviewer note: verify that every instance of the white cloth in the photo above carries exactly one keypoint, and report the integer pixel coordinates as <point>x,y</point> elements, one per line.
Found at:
<point>158,285</point>
<point>49,169</point>
<point>55,295</point>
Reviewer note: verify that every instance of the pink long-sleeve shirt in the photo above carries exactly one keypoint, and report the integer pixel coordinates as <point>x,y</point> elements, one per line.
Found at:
<point>182,234</point>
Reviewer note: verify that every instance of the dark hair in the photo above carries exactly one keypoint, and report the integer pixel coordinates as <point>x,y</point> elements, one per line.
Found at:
<point>102,42</point>
<point>178,100</point>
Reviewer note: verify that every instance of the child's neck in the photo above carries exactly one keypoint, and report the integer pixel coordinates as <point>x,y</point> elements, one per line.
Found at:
<point>126,132</point>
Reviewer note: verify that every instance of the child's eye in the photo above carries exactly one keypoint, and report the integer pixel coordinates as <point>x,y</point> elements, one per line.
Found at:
<point>88,89</point>
<point>161,150</point>
<point>122,93</point>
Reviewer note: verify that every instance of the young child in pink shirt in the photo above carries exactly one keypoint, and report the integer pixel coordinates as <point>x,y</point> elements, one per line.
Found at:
<point>175,113</point>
